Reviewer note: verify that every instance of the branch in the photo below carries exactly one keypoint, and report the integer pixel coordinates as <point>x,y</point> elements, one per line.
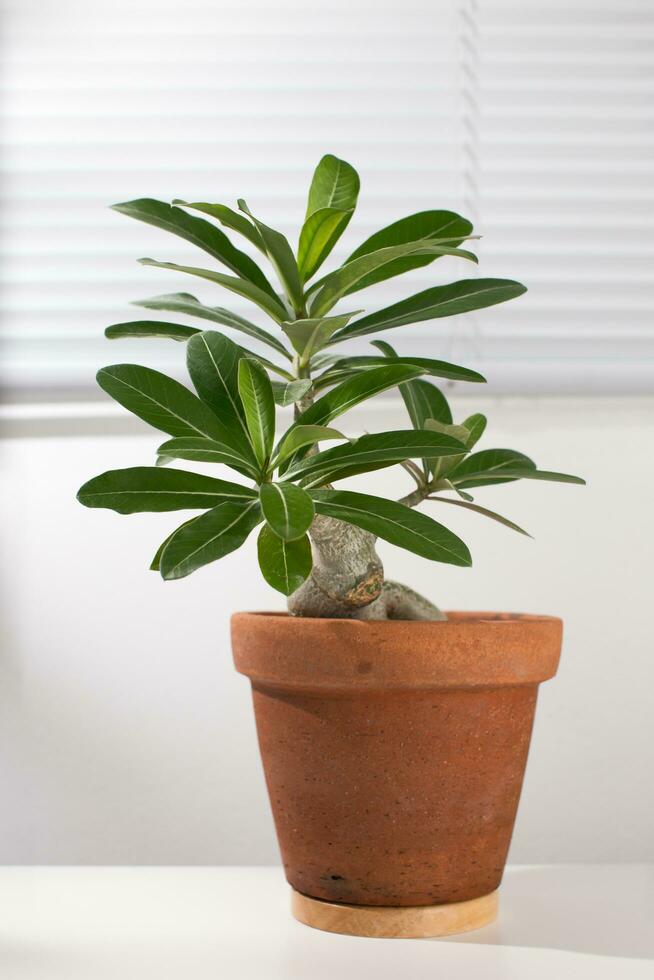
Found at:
<point>415,497</point>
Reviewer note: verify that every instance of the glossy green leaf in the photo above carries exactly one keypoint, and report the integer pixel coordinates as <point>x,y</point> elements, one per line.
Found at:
<point>526,473</point>
<point>288,509</point>
<point>422,225</point>
<point>354,390</point>
<point>304,435</point>
<point>331,378</point>
<point>319,234</point>
<point>229,218</point>
<point>211,536</point>
<point>240,458</point>
<point>348,278</point>
<point>371,452</point>
<point>285,565</point>
<point>335,184</point>
<point>150,328</point>
<point>268,365</point>
<point>476,426</point>
<point>290,392</point>
<point>437,369</point>
<point>458,432</point>
<point>242,287</point>
<point>487,467</point>
<point>147,488</point>
<point>212,361</point>
<point>199,232</point>
<point>445,227</point>
<point>446,485</point>
<point>154,564</point>
<point>438,468</point>
<point>319,361</point>
<point>256,395</point>
<point>188,304</point>
<point>482,510</point>
<point>281,256</point>
<point>311,334</point>
<point>161,401</point>
<point>439,301</point>
<point>395,523</point>
<point>422,399</point>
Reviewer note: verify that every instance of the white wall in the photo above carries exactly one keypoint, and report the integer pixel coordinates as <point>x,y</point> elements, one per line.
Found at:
<point>127,737</point>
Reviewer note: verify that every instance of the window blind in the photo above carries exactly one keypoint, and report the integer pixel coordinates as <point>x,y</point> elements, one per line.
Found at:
<point>533,120</point>
<point>562,106</point>
<point>110,101</point>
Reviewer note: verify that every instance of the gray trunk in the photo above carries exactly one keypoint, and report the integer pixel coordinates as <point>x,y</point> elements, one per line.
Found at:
<point>347,580</point>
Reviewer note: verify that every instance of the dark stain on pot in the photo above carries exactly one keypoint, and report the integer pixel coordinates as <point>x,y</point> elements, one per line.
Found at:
<point>364,667</point>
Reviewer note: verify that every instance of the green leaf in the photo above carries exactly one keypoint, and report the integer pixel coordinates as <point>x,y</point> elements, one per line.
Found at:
<point>371,452</point>
<point>212,361</point>
<point>199,232</point>
<point>288,509</point>
<point>457,297</point>
<point>285,565</point>
<point>311,334</point>
<point>437,369</point>
<point>242,287</point>
<point>229,218</point>
<point>422,399</point>
<point>281,255</point>
<point>323,361</point>
<point>210,451</point>
<point>442,466</point>
<point>476,426</point>
<point>455,431</point>
<point>319,234</point>
<point>330,378</point>
<point>445,227</point>
<point>147,488</point>
<point>304,435</point>
<point>257,397</point>
<point>482,510</point>
<point>211,536</point>
<point>348,278</point>
<point>526,473</point>
<point>355,390</point>
<point>395,523</point>
<point>335,184</point>
<point>161,401</point>
<point>290,392</point>
<point>268,365</point>
<point>188,304</point>
<point>154,564</point>
<point>487,467</point>
<point>150,328</point>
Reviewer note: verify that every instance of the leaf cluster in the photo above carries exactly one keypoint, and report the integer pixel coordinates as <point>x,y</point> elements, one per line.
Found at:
<point>229,416</point>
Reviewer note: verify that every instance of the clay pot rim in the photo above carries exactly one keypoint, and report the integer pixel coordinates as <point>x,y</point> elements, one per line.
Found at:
<point>454,616</point>
<point>468,651</point>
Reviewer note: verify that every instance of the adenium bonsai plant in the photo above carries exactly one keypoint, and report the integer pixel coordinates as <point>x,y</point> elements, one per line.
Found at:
<point>394,746</point>
<point>317,543</point>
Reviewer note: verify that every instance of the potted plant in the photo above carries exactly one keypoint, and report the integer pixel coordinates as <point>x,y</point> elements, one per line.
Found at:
<point>394,737</point>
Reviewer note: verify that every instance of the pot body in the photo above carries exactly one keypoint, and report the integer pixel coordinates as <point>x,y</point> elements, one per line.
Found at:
<point>394,752</point>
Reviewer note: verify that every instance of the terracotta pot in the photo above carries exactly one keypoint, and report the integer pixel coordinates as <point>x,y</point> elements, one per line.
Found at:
<point>394,752</point>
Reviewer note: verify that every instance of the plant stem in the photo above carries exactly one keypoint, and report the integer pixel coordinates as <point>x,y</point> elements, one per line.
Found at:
<point>347,578</point>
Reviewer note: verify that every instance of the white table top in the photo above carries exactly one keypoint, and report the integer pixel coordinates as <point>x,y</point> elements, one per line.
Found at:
<point>589,922</point>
